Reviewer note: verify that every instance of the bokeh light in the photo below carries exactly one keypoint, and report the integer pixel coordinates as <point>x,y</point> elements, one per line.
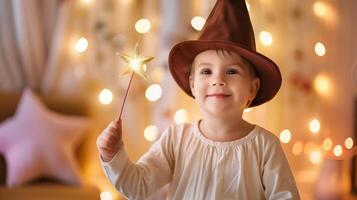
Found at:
<point>315,157</point>
<point>265,38</point>
<point>181,116</point>
<point>285,136</point>
<point>322,85</point>
<point>143,26</point>
<point>198,23</point>
<point>153,92</point>
<point>327,144</point>
<point>320,49</point>
<point>349,143</point>
<point>105,96</point>
<point>151,133</point>
<point>314,126</point>
<point>337,151</point>
<point>81,45</point>
<point>105,196</point>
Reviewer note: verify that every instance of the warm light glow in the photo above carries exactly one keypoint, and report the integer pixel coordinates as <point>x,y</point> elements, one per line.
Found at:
<point>322,85</point>
<point>349,143</point>
<point>87,1</point>
<point>153,92</point>
<point>105,96</point>
<point>151,133</point>
<point>320,49</point>
<point>181,116</point>
<point>105,196</point>
<point>285,136</point>
<point>309,147</point>
<point>135,64</point>
<point>337,151</point>
<point>297,148</point>
<point>320,9</point>
<point>247,110</point>
<point>81,45</point>
<point>198,23</point>
<point>327,144</point>
<point>143,26</point>
<point>314,126</point>
<point>265,38</point>
<point>315,157</point>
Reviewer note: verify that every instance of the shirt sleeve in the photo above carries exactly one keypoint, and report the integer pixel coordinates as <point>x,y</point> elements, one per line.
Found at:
<point>152,171</point>
<point>278,180</point>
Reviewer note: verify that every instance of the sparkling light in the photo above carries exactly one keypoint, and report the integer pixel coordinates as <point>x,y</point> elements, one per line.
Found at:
<point>81,45</point>
<point>327,144</point>
<point>135,64</point>
<point>143,26</point>
<point>151,133</point>
<point>266,38</point>
<point>314,126</point>
<point>337,151</point>
<point>153,92</point>
<point>105,96</point>
<point>349,143</point>
<point>298,148</point>
<point>198,23</point>
<point>320,49</point>
<point>322,85</point>
<point>285,136</point>
<point>315,157</point>
<point>105,196</point>
<point>181,116</point>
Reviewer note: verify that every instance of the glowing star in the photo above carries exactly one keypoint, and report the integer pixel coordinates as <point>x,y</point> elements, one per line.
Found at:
<point>136,63</point>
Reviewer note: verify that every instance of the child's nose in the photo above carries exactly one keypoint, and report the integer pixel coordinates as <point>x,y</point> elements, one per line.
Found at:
<point>218,81</point>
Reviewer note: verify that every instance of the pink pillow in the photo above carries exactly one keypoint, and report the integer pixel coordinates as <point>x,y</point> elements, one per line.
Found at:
<point>37,142</point>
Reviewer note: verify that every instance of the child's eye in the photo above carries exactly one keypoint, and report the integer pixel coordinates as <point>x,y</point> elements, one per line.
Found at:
<point>232,71</point>
<point>205,71</point>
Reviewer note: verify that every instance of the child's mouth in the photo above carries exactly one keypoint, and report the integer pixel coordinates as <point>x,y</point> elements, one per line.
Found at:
<point>218,95</point>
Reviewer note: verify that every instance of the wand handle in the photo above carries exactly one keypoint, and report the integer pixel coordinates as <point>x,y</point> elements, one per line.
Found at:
<point>126,94</point>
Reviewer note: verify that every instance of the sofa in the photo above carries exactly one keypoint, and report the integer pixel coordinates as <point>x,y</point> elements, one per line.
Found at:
<point>44,187</point>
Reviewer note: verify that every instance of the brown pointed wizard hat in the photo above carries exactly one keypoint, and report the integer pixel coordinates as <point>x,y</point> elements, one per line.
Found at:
<point>228,27</point>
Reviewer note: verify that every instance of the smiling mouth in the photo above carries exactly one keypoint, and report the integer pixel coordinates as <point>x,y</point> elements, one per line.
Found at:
<point>219,95</point>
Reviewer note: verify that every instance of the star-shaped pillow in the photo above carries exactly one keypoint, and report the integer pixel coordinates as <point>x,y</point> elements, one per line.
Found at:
<point>37,142</point>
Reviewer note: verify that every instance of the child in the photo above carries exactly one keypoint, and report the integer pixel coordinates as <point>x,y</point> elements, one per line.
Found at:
<point>220,156</point>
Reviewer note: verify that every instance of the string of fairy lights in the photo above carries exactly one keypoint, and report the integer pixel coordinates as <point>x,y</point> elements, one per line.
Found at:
<point>321,85</point>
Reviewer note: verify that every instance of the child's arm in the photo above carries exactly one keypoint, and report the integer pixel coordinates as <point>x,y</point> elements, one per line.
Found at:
<point>135,181</point>
<point>278,179</point>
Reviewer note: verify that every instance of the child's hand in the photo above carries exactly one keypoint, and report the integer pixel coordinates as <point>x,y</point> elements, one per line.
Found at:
<point>109,141</point>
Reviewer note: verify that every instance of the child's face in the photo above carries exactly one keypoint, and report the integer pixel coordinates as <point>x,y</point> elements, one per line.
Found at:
<point>222,82</point>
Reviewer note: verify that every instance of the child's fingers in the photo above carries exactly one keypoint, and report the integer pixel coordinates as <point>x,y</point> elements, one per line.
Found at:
<point>116,124</point>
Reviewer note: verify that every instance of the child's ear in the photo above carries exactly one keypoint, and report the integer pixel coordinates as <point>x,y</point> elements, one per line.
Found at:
<point>255,87</point>
<point>191,84</point>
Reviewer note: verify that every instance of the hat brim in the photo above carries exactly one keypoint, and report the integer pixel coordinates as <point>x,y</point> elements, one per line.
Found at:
<point>182,55</point>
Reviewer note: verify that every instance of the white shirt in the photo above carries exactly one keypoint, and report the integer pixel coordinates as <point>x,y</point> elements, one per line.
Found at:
<point>250,168</point>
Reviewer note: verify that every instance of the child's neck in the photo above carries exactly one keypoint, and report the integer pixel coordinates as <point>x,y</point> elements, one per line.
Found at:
<point>225,130</point>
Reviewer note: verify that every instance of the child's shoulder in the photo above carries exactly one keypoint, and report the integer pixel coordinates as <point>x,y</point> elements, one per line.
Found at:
<point>267,136</point>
